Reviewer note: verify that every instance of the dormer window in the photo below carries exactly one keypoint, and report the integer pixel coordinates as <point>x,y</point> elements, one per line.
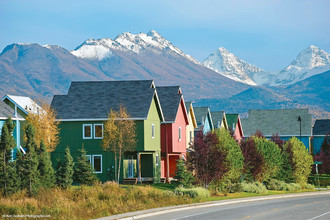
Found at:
<point>219,124</point>
<point>202,120</point>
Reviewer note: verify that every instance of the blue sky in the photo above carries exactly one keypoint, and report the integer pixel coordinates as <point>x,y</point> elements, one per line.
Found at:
<point>267,33</point>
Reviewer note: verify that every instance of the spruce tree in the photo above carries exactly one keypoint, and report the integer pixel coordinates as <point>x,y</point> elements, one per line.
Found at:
<point>64,172</point>
<point>47,177</point>
<point>84,172</point>
<point>7,144</point>
<point>30,173</point>
<point>183,176</point>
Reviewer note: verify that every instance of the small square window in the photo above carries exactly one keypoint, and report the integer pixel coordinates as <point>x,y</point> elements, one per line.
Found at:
<point>98,131</point>
<point>153,131</point>
<point>87,131</point>
<point>97,163</point>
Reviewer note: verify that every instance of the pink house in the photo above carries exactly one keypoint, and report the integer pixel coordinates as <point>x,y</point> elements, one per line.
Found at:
<point>173,129</point>
<point>234,123</point>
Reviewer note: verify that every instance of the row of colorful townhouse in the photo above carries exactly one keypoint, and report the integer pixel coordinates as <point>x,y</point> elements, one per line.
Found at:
<point>165,125</point>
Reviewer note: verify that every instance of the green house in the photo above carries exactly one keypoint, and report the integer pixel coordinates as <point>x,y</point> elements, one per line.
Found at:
<point>83,111</point>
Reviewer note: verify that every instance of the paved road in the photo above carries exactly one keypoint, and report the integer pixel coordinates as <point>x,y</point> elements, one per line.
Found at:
<point>307,207</point>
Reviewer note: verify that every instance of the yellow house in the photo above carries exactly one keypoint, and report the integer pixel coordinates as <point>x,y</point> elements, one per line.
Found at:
<point>192,124</point>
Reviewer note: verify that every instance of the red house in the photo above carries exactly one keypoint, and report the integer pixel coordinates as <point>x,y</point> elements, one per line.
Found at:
<point>173,129</point>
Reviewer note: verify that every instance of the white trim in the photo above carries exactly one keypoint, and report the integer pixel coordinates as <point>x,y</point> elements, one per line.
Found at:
<point>95,131</point>
<point>319,135</point>
<point>152,130</point>
<point>99,119</point>
<point>16,119</point>
<point>269,136</point>
<point>22,149</point>
<point>97,155</point>
<point>83,127</point>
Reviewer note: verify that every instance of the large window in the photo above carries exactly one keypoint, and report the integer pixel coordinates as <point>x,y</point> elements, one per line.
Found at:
<point>97,163</point>
<point>153,131</point>
<point>98,131</point>
<point>87,131</point>
<point>179,133</point>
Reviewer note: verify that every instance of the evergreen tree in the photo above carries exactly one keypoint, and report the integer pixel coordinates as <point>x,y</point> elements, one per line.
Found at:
<point>47,177</point>
<point>7,144</point>
<point>183,176</point>
<point>30,173</point>
<point>14,181</point>
<point>64,172</point>
<point>83,171</point>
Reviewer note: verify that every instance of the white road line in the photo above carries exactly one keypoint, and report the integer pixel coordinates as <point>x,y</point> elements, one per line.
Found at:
<point>319,216</point>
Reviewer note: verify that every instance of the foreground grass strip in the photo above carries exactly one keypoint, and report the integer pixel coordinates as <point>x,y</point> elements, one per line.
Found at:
<point>85,202</point>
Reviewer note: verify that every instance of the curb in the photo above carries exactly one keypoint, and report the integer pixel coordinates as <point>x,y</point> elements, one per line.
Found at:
<point>164,210</point>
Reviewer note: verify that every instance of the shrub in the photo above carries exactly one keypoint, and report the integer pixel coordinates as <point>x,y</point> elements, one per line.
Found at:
<point>198,192</point>
<point>254,187</point>
<point>279,185</point>
<point>308,186</point>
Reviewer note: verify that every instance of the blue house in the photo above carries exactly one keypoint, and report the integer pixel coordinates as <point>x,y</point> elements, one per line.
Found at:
<point>320,130</point>
<point>203,119</point>
<point>286,123</point>
<point>7,112</point>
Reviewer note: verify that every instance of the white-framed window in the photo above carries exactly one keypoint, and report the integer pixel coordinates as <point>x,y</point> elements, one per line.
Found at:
<point>153,130</point>
<point>87,131</point>
<point>98,131</point>
<point>179,133</point>
<point>89,158</point>
<point>97,163</point>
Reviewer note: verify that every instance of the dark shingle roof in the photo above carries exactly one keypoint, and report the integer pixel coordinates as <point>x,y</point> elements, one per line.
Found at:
<point>217,117</point>
<point>94,99</point>
<point>169,99</point>
<point>321,127</point>
<point>187,104</point>
<point>232,120</point>
<point>281,121</point>
<point>200,113</point>
<point>6,111</point>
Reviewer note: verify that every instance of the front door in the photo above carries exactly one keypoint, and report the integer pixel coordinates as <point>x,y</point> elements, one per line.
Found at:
<point>130,168</point>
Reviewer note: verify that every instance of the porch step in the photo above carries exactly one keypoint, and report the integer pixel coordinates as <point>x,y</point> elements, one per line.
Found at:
<point>163,180</point>
<point>130,181</point>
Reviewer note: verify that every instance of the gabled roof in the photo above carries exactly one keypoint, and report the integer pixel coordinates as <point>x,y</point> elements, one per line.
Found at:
<point>6,112</point>
<point>201,113</point>
<point>219,116</point>
<point>232,120</point>
<point>321,127</point>
<point>170,98</point>
<point>94,99</point>
<point>190,111</point>
<point>26,104</point>
<point>282,121</point>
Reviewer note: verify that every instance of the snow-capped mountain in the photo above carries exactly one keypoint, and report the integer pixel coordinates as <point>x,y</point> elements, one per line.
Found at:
<point>309,62</point>
<point>229,65</point>
<point>128,42</point>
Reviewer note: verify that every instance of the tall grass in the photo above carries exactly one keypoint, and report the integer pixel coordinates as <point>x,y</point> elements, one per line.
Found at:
<point>85,202</point>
